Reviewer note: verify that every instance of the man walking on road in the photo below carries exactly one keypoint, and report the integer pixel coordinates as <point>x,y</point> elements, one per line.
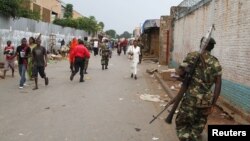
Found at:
<point>39,60</point>
<point>23,53</point>
<point>95,47</point>
<point>9,51</point>
<point>198,100</point>
<point>134,52</point>
<point>79,53</point>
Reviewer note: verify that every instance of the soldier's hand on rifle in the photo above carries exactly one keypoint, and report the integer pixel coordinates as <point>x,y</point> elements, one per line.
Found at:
<point>181,73</point>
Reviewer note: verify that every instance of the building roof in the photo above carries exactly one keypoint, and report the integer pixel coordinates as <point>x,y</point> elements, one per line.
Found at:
<point>151,23</point>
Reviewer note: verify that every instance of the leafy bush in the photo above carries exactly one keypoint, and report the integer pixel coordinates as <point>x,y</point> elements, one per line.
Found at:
<point>26,13</point>
<point>9,8</point>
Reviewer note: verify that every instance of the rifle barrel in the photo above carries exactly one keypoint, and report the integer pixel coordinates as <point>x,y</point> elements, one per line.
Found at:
<point>155,117</point>
<point>176,103</point>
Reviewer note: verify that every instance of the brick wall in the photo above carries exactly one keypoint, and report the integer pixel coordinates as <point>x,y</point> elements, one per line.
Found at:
<point>154,42</point>
<point>46,15</point>
<point>232,34</point>
<point>165,39</point>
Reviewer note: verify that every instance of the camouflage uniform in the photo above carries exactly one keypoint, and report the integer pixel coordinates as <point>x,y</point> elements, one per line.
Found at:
<point>105,53</point>
<point>86,64</point>
<point>141,47</point>
<point>192,116</point>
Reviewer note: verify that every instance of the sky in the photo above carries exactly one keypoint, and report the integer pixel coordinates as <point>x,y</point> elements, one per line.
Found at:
<point>123,15</point>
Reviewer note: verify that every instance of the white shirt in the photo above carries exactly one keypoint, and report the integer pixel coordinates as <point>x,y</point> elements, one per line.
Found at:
<point>95,44</point>
<point>136,53</point>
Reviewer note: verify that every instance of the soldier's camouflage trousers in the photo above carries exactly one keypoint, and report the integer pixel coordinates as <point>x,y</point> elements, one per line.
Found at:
<point>190,120</point>
<point>105,60</point>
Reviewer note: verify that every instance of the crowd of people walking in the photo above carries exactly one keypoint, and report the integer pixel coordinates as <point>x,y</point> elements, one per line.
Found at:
<point>32,58</point>
<point>197,102</point>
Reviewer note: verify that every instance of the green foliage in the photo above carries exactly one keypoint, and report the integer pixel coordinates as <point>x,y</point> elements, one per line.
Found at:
<point>26,13</point>
<point>90,24</point>
<point>13,8</point>
<point>10,8</point>
<point>68,11</point>
<point>111,33</point>
<point>101,26</point>
<point>125,34</point>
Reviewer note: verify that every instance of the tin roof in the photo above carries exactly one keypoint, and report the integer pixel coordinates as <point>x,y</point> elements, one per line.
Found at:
<point>151,23</point>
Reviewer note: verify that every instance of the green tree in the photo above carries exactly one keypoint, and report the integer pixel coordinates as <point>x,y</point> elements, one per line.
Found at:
<point>68,11</point>
<point>10,8</point>
<point>92,26</point>
<point>125,34</point>
<point>89,24</point>
<point>92,18</point>
<point>101,26</point>
<point>26,13</point>
<point>111,33</point>
<point>67,23</point>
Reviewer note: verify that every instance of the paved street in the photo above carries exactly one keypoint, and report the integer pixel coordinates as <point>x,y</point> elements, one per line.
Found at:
<point>106,107</point>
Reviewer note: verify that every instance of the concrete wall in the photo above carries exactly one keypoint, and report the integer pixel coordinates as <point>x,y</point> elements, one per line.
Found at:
<point>15,30</point>
<point>232,23</point>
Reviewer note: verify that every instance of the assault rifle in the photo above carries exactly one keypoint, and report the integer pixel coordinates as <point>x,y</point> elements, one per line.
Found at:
<point>187,78</point>
<point>39,36</point>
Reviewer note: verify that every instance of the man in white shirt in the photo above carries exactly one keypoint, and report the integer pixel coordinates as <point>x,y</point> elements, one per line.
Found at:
<point>95,47</point>
<point>133,53</point>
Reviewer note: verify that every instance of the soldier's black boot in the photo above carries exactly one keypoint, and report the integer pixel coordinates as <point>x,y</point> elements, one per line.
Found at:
<point>102,67</point>
<point>132,75</point>
<point>106,67</point>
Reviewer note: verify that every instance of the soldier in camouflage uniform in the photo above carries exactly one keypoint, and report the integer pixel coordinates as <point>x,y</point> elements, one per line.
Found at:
<point>88,46</point>
<point>198,100</point>
<point>140,44</point>
<point>105,53</point>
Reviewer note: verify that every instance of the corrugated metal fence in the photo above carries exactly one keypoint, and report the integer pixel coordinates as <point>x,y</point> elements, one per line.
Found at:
<point>17,29</point>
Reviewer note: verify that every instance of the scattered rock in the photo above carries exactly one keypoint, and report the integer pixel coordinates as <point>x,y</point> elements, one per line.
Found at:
<point>172,87</point>
<point>162,105</point>
<point>151,71</point>
<point>155,138</point>
<point>137,129</point>
<point>152,98</point>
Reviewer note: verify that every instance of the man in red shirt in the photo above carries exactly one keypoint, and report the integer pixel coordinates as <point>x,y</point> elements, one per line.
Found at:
<point>79,53</point>
<point>9,51</point>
